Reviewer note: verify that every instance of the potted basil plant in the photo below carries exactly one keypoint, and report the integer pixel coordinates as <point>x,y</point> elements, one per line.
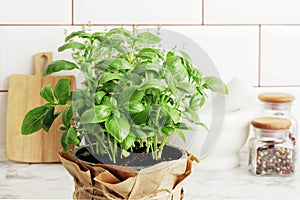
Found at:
<point>135,95</point>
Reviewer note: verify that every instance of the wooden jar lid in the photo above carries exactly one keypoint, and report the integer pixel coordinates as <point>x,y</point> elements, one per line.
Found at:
<point>276,97</point>
<point>271,123</point>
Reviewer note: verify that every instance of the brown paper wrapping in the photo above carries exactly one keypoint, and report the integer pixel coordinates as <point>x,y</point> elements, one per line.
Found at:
<point>163,181</point>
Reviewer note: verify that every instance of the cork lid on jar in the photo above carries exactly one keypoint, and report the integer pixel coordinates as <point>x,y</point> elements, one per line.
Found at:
<point>276,97</point>
<point>271,123</point>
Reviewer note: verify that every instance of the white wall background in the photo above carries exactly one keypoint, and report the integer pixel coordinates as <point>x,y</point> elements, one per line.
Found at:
<point>257,40</point>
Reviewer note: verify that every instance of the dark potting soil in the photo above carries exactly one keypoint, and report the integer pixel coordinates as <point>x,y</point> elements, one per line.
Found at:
<point>136,160</point>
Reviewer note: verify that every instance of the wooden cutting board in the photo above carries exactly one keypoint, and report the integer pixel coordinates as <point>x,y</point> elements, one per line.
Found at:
<point>23,95</point>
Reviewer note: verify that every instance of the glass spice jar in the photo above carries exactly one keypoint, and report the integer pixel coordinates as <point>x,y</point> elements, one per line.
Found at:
<point>272,152</point>
<point>279,104</point>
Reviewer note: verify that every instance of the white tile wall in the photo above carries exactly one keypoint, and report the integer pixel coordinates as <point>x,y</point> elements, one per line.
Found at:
<point>251,11</point>
<point>234,49</point>
<point>280,56</point>
<point>20,44</point>
<point>35,12</point>
<point>3,97</point>
<point>138,11</point>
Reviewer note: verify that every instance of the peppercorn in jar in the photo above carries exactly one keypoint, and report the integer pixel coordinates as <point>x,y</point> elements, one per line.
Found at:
<point>272,152</point>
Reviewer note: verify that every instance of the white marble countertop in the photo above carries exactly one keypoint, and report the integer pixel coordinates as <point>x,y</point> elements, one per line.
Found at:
<point>51,181</point>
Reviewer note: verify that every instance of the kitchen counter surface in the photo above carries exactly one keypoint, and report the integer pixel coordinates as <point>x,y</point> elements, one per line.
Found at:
<point>51,181</point>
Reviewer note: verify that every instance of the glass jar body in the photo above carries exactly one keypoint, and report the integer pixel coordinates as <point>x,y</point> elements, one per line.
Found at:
<point>282,110</point>
<point>271,153</point>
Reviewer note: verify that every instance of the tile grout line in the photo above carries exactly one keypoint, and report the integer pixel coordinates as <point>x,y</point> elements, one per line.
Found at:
<point>202,12</point>
<point>4,25</point>
<point>232,24</point>
<point>277,86</point>
<point>72,22</point>
<point>259,56</point>
<point>136,24</point>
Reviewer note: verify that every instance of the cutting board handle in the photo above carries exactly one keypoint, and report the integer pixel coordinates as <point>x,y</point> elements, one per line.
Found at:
<point>41,61</point>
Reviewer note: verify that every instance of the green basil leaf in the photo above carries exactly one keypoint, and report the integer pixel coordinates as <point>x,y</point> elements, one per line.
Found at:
<point>99,36</point>
<point>59,65</point>
<point>81,34</point>
<point>172,61</point>
<point>62,128</point>
<point>47,94</point>
<point>119,48</point>
<point>118,127</point>
<point>187,88</point>
<point>196,75</point>
<point>137,96</point>
<point>109,86</point>
<point>77,104</point>
<point>91,128</point>
<point>62,90</point>
<point>179,94</point>
<point>186,56</point>
<point>158,115</point>
<point>215,85</point>
<point>118,39</point>
<point>136,107</point>
<point>67,116</point>
<point>149,38</point>
<point>70,113</point>
<point>128,142</point>
<point>180,134</point>
<point>113,102</point>
<point>113,64</point>
<point>107,45</point>
<point>71,137</point>
<point>33,120</point>
<point>147,55</point>
<point>152,75</point>
<point>121,31</point>
<point>72,45</point>
<point>63,142</point>
<point>167,130</point>
<point>182,126</point>
<point>178,71</point>
<point>202,125</point>
<point>85,68</point>
<point>196,101</point>
<point>98,97</point>
<point>49,118</point>
<point>133,78</point>
<point>170,54</point>
<point>152,50</point>
<point>79,94</point>
<point>154,83</point>
<point>191,115</point>
<point>139,133</point>
<point>124,96</point>
<point>143,67</point>
<point>142,117</point>
<point>96,114</point>
<point>173,113</point>
<point>106,101</point>
<point>108,77</point>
